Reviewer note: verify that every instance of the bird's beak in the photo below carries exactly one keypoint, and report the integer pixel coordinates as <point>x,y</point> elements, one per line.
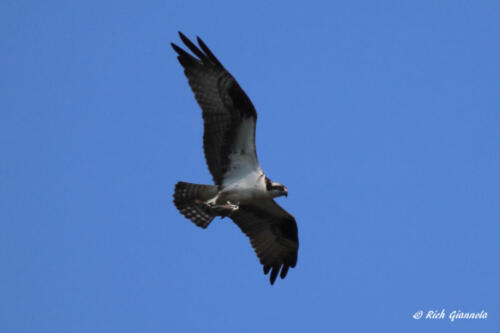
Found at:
<point>286,192</point>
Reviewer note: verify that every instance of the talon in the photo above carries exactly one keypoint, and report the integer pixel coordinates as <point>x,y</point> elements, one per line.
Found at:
<point>224,210</point>
<point>229,205</point>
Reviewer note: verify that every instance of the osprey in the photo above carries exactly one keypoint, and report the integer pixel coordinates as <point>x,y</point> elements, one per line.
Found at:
<point>242,191</point>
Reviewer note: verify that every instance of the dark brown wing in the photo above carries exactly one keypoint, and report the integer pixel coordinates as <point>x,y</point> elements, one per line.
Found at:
<point>225,106</point>
<point>273,235</point>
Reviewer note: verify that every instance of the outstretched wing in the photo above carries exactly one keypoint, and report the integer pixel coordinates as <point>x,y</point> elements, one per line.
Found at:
<point>229,115</point>
<point>273,235</point>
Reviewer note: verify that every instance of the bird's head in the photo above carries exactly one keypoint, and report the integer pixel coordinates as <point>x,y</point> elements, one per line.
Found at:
<point>276,189</point>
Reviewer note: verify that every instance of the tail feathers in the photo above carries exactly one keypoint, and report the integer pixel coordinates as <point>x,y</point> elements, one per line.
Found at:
<point>190,201</point>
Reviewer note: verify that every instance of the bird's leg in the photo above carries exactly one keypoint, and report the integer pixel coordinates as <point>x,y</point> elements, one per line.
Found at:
<point>223,210</point>
<point>232,207</point>
<point>212,202</point>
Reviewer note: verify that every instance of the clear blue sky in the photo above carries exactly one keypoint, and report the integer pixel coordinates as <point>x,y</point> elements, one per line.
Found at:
<point>382,119</point>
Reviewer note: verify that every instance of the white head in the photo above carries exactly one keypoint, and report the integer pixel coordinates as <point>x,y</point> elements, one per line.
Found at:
<point>276,189</point>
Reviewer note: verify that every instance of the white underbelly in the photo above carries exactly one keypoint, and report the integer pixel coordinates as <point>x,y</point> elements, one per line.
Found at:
<point>247,189</point>
<point>236,195</point>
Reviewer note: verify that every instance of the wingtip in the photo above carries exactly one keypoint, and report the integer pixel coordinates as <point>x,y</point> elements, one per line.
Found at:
<point>284,271</point>
<point>207,51</point>
<point>185,40</point>
<point>177,49</point>
<point>274,274</point>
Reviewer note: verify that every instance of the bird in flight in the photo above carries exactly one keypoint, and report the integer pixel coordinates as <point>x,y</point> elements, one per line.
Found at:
<point>241,190</point>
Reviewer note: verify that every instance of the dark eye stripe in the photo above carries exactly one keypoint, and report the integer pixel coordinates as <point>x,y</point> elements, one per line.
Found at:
<point>269,184</point>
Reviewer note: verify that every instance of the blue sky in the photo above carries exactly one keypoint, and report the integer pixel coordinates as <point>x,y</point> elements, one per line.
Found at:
<point>382,119</point>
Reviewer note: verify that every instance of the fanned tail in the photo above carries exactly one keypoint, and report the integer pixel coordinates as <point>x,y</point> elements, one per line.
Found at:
<point>190,201</point>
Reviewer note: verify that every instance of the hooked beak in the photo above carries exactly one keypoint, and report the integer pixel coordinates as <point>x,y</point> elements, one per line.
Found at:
<point>286,192</point>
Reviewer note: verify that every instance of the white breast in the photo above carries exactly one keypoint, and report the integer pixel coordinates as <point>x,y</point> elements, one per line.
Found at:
<point>248,188</point>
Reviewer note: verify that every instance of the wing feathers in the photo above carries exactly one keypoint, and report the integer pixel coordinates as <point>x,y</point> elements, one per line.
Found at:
<point>225,106</point>
<point>208,52</point>
<point>284,270</point>
<point>192,47</point>
<point>184,58</point>
<point>274,273</point>
<point>273,235</point>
